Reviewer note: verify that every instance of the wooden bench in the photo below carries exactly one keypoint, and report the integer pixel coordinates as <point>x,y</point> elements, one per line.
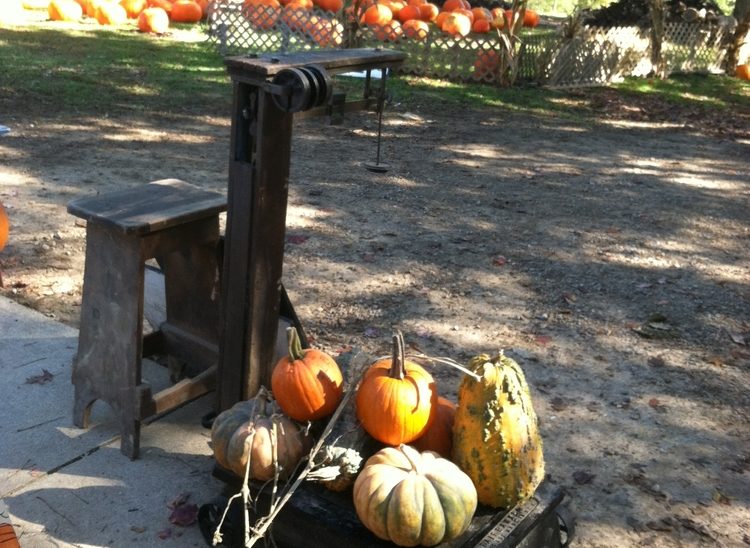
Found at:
<point>177,224</point>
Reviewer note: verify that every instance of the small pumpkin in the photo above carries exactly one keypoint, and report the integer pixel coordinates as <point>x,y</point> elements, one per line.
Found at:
<point>457,24</point>
<point>395,398</point>
<point>4,226</point>
<point>64,10</point>
<point>133,7</point>
<point>154,20</point>
<point>496,437</point>
<point>412,498</point>
<point>417,30</point>
<point>186,11</point>
<point>439,436</point>
<point>743,72</point>
<point>263,14</point>
<point>111,13</point>
<point>377,14</point>
<point>307,384</point>
<point>256,429</point>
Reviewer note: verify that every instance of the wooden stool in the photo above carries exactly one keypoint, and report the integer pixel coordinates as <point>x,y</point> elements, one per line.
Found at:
<point>178,225</point>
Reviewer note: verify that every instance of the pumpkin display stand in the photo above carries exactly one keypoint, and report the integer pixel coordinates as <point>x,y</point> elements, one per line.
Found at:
<point>316,516</point>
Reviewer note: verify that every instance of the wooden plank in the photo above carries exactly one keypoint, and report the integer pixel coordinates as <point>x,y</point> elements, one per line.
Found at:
<point>261,67</point>
<point>266,240</point>
<point>149,208</point>
<point>184,391</point>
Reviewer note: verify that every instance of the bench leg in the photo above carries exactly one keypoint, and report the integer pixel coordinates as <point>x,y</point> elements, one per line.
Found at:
<point>108,362</point>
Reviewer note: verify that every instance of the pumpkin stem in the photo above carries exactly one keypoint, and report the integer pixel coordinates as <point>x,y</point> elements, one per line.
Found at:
<point>398,369</point>
<point>295,345</point>
<point>414,465</point>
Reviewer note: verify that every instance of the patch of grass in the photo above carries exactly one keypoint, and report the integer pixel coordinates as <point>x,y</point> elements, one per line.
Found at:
<point>83,68</point>
<point>692,90</point>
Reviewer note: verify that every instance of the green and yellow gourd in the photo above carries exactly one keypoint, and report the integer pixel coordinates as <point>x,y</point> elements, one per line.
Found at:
<point>496,438</point>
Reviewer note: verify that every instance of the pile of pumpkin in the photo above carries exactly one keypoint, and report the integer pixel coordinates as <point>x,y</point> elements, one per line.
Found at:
<point>435,461</point>
<point>150,15</point>
<point>389,20</point>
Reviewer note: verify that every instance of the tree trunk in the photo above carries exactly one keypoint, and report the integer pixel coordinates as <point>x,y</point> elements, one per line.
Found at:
<point>742,14</point>
<point>656,9</point>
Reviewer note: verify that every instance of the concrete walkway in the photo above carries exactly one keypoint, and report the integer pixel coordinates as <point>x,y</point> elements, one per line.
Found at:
<point>64,486</point>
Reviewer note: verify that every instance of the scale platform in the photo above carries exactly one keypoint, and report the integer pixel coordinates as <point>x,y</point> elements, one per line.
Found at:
<point>316,517</point>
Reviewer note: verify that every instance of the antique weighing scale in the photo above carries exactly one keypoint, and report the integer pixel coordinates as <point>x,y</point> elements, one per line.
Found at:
<point>228,344</point>
<point>268,91</point>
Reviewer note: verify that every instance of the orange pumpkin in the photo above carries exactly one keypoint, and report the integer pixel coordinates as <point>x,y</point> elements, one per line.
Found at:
<point>263,14</point>
<point>133,7</point>
<point>452,5</point>
<point>153,20</point>
<point>377,14</point>
<point>439,436</point>
<point>390,32</point>
<point>307,384</point>
<point>166,5</point>
<point>743,72</point>
<point>330,5</point>
<point>498,18</point>
<point>186,11</point>
<point>530,18</point>
<point>395,398</point>
<point>409,12</point>
<point>457,24</point>
<point>428,12</point>
<point>324,32</point>
<point>417,30</point>
<point>4,226</point>
<point>295,17</point>
<point>481,26</point>
<point>486,64</point>
<point>110,13</point>
<point>64,10</point>
<point>481,13</point>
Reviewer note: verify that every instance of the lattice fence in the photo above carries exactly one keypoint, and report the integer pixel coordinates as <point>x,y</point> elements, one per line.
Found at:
<point>594,56</point>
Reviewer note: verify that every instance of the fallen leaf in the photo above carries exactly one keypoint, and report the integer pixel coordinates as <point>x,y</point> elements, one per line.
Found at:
<point>739,338</point>
<point>184,515</point>
<point>499,261</point>
<point>44,378</point>
<point>164,534</point>
<point>296,239</point>
<point>721,498</point>
<point>137,529</point>
<point>543,340</point>
<point>656,405</point>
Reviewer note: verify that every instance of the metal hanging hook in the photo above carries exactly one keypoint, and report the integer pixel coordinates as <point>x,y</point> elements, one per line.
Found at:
<point>377,166</point>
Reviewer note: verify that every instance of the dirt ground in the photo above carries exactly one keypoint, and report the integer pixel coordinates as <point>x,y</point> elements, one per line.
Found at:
<point>608,254</point>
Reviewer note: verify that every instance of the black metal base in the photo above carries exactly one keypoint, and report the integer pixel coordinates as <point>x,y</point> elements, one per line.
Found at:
<point>376,167</point>
<point>316,517</point>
